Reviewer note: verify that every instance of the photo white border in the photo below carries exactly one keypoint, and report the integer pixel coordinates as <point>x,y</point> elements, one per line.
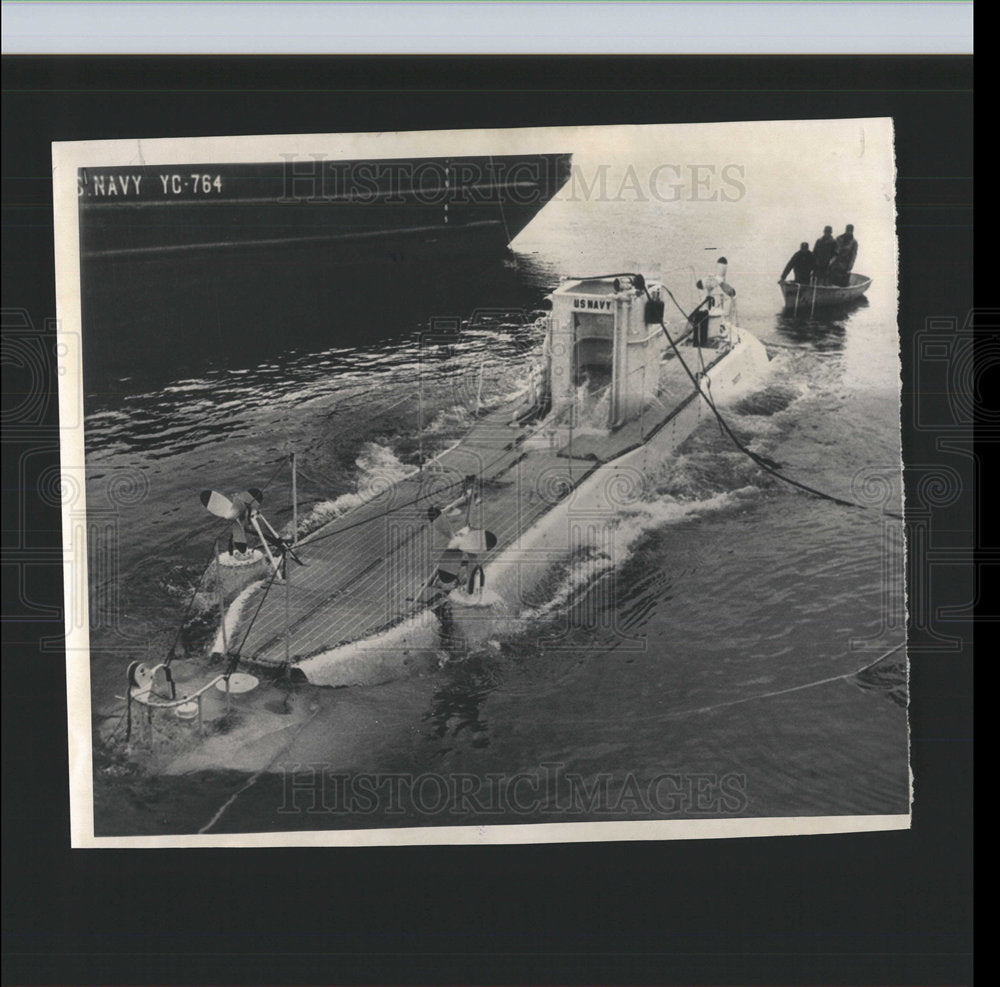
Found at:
<point>67,158</point>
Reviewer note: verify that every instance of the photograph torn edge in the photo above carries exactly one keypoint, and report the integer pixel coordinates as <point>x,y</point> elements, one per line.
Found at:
<point>902,471</point>
<point>67,158</point>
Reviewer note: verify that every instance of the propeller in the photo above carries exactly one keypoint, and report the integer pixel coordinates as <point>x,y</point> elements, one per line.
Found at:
<point>238,535</point>
<point>233,506</point>
<point>241,508</point>
<point>443,578</point>
<point>474,540</point>
<point>219,504</point>
<point>470,540</point>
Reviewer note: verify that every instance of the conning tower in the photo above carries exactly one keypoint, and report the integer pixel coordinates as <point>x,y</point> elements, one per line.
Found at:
<point>604,334</point>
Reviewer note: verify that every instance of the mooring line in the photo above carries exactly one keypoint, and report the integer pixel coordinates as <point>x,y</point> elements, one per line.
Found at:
<point>784,692</point>
<point>687,712</point>
<point>221,811</point>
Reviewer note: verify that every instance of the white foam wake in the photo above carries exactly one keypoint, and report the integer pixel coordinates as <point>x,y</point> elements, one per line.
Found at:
<point>378,467</point>
<point>233,617</point>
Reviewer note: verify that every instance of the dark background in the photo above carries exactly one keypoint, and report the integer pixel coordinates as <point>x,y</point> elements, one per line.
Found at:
<point>869,908</point>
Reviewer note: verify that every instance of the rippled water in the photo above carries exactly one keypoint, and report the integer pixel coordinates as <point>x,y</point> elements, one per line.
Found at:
<point>694,650</point>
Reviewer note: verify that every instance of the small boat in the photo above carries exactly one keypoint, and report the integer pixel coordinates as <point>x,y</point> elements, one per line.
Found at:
<point>535,480</point>
<point>806,297</point>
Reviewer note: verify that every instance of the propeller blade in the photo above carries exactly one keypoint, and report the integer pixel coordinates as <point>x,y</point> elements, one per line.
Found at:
<point>218,504</point>
<point>247,498</point>
<point>239,535</point>
<point>449,564</point>
<point>442,528</point>
<point>474,541</point>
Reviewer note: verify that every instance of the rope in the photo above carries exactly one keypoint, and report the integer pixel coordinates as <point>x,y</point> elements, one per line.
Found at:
<point>785,692</point>
<point>283,461</point>
<point>125,714</point>
<point>252,780</point>
<point>399,507</point>
<point>187,612</point>
<point>679,713</point>
<point>234,658</point>
<point>768,465</point>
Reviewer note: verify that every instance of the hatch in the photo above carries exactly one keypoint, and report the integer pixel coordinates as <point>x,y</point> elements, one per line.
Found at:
<point>603,356</point>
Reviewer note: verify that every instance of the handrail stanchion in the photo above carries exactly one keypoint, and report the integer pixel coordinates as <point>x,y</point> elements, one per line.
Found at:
<point>572,419</point>
<point>221,599</point>
<point>287,573</point>
<point>295,502</point>
<point>420,418</point>
<point>642,407</point>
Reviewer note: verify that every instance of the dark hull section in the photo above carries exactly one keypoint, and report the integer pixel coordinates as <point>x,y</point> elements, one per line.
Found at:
<point>150,319</point>
<point>209,208</point>
<point>190,283</point>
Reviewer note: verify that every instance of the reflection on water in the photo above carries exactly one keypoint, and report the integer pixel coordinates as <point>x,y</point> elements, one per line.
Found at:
<point>161,323</point>
<point>823,330</point>
<point>457,706</point>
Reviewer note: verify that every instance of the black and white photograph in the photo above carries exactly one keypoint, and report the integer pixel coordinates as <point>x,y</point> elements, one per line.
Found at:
<point>490,492</point>
<point>483,486</point>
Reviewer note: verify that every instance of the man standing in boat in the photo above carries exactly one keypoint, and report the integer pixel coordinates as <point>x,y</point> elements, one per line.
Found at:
<point>843,261</point>
<point>803,262</point>
<point>823,251</point>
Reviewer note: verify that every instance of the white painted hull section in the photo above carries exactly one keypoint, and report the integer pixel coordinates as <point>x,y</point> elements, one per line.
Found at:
<point>584,518</point>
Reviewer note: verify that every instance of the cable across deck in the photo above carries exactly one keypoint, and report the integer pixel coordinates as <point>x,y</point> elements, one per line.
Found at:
<point>365,569</point>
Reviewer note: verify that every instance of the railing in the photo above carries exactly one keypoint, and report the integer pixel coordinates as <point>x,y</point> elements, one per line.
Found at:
<point>145,698</point>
